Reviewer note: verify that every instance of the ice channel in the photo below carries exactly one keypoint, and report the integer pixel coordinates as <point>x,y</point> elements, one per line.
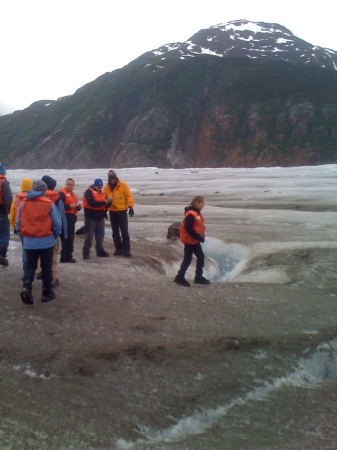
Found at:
<point>320,367</point>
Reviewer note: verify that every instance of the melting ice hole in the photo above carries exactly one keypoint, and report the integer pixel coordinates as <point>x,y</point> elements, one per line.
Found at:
<point>320,367</point>
<point>226,258</point>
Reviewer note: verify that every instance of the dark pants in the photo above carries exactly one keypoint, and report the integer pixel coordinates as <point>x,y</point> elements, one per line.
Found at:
<point>68,244</point>
<point>46,257</point>
<point>4,233</point>
<point>189,250</point>
<point>120,232</point>
<point>93,228</point>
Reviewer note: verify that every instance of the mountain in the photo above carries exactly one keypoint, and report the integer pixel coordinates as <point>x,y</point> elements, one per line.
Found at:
<point>240,94</point>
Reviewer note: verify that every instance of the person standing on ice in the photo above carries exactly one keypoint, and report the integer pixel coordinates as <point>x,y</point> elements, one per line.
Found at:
<point>122,201</point>
<point>6,199</point>
<point>192,233</point>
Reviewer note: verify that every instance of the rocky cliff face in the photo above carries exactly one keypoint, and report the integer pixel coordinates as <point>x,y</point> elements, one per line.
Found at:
<point>208,102</point>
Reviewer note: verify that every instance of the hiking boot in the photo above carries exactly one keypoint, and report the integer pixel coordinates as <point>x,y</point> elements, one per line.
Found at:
<point>103,254</point>
<point>47,296</point>
<point>70,260</point>
<point>181,281</point>
<point>86,256</point>
<point>127,253</point>
<point>26,294</point>
<point>3,261</point>
<point>55,284</point>
<point>118,252</point>
<point>201,280</point>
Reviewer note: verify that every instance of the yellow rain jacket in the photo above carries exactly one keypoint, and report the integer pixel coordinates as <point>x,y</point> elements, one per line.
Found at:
<point>122,198</point>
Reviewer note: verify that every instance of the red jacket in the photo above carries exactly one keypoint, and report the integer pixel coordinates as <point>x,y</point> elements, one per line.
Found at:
<point>98,197</point>
<point>69,199</point>
<point>35,220</point>
<point>198,226</point>
<point>52,195</point>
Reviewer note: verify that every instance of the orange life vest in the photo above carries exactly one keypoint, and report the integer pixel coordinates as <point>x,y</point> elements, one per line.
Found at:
<point>69,199</point>
<point>35,220</point>
<point>52,195</point>
<point>98,197</point>
<point>17,202</point>
<point>198,226</point>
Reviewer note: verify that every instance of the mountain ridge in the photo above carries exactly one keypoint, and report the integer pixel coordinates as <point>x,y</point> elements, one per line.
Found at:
<point>186,105</point>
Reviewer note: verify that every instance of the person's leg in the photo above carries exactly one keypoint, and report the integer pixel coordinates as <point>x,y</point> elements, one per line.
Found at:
<point>99,237</point>
<point>90,226</point>
<point>197,250</point>
<point>55,261</point>
<point>47,259</point>
<point>28,276</point>
<point>123,225</point>
<point>188,253</point>
<point>68,244</point>
<point>199,279</point>
<point>114,220</point>
<point>4,238</point>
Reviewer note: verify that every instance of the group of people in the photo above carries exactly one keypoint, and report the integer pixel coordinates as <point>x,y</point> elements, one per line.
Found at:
<point>45,222</point>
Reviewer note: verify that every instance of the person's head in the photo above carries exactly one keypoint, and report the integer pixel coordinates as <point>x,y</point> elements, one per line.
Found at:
<point>40,185</point>
<point>50,182</point>
<point>98,184</point>
<point>2,169</point>
<point>26,185</point>
<point>113,179</point>
<point>70,183</point>
<point>198,202</point>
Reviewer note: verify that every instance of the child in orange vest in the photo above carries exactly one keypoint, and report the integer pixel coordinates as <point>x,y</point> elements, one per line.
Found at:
<point>192,233</point>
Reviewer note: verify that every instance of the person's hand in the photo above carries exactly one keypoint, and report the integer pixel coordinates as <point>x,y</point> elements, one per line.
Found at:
<point>131,212</point>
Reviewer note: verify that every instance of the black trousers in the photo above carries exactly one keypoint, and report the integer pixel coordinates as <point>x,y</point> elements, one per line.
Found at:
<point>46,256</point>
<point>68,244</point>
<point>189,250</point>
<point>120,230</point>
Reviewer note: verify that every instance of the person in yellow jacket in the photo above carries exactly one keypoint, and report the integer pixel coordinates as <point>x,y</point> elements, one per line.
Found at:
<point>122,201</point>
<point>26,185</point>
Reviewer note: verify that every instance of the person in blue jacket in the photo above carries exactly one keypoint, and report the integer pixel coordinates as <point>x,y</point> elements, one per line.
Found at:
<point>39,223</point>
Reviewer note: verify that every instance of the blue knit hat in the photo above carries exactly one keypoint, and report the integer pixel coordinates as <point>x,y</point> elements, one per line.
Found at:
<point>2,169</point>
<point>98,182</point>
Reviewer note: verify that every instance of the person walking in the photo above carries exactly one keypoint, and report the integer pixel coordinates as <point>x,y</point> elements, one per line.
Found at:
<point>192,233</point>
<point>6,199</point>
<point>26,185</point>
<point>40,224</point>
<point>71,207</point>
<point>95,204</point>
<point>122,201</point>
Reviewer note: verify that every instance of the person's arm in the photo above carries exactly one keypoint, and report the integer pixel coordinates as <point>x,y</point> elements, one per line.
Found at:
<point>56,221</point>
<point>12,216</point>
<point>7,196</point>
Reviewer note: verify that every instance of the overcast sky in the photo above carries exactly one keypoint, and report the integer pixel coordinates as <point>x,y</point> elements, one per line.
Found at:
<point>50,49</point>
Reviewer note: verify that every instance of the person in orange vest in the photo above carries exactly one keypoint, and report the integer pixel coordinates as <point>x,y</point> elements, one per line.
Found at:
<point>192,233</point>
<point>95,204</point>
<point>6,199</point>
<point>26,185</point>
<point>71,207</point>
<point>55,198</point>
<point>40,224</point>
